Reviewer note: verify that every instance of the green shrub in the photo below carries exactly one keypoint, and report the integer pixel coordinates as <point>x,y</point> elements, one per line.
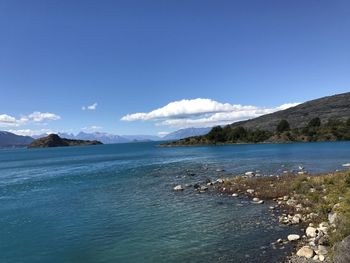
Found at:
<point>315,122</point>
<point>283,126</point>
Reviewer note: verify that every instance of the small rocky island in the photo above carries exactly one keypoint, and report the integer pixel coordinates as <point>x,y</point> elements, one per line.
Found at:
<point>53,140</point>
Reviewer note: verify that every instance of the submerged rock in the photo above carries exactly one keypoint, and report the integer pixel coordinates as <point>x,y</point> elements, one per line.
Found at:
<point>178,188</point>
<point>220,181</point>
<point>203,188</point>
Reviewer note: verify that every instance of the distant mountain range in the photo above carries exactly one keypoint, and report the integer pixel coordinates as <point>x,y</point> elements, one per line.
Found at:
<point>184,133</point>
<point>8,139</point>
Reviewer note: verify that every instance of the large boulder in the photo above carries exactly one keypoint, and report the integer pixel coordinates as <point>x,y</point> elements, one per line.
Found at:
<point>305,252</point>
<point>311,231</point>
<point>342,251</point>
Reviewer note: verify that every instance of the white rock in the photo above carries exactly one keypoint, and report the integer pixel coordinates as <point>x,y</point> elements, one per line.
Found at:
<point>204,188</point>
<point>315,257</point>
<point>313,215</point>
<point>311,231</point>
<point>234,195</point>
<point>257,201</point>
<point>321,257</point>
<point>178,188</point>
<point>323,224</point>
<point>250,191</point>
<point>323,227</point>
<point>332,217</point>
<point>305,252</point>
<point>249,173</point>
<point>296,219</point>
<point>293,237</point>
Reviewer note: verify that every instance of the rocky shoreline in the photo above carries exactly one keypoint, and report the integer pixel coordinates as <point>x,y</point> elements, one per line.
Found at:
<point>310,201</point>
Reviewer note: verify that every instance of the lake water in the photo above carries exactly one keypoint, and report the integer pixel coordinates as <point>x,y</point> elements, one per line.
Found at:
<point>115,203</point>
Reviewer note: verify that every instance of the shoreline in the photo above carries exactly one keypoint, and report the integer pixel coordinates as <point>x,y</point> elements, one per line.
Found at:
<point>170,145</point>
<point>317,204</point>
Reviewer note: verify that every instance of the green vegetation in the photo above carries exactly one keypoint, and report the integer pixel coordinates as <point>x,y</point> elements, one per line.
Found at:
<point>315,130</point>
<point>283,126</point>
<point>315,122</point>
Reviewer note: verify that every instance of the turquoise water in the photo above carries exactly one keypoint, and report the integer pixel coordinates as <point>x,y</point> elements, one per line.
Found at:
<point>114,203</point>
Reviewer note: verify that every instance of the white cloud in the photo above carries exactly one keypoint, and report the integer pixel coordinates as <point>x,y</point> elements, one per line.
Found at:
<point>38,116</point>
<point>201,113</point>
<point>29,132</point>
<point>182,108</point>
<point>10,121</point>
<point>90,107</point>
<point>7,120</point>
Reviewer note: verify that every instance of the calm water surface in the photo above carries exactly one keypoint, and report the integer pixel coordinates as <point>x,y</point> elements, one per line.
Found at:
<point>114,203</point>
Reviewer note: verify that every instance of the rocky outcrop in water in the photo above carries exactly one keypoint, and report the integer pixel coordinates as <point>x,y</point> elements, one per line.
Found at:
<point>53,140</point>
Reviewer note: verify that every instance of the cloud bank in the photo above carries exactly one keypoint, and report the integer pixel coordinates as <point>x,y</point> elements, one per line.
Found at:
<point>201,113</point>
<point>35,117</point>
<point>30,132</point>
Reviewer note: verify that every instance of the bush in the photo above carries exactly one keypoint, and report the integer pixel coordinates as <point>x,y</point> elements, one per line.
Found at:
<point>283,126</point>
<point>315,122</point>
<point>217,134</point>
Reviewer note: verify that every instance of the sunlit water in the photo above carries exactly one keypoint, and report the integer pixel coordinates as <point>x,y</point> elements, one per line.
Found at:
<point>114,203</point>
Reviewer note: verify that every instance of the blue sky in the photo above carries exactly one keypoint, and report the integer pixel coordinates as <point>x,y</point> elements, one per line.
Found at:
<point>202,57</point>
